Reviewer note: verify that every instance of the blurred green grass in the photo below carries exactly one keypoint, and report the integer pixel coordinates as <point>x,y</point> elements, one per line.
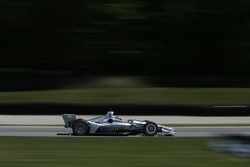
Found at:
<point>111,151</point>
<point>131,95</point>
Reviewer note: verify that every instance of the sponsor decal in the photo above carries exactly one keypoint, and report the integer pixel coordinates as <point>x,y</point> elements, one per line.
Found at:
<point>112,128</point>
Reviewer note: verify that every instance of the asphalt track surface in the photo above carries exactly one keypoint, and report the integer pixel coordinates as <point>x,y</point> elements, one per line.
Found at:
<point>52,131</point>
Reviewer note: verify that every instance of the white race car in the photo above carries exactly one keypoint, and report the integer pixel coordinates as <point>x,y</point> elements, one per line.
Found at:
<point>112,125</point>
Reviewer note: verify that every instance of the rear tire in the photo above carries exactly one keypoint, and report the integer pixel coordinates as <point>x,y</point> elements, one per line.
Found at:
<point>150,129</point>
<point>80,127</point>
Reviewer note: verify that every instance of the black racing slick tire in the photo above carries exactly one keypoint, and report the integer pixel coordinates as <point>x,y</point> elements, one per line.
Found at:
<point>150,129</point>
<point>80,127</point>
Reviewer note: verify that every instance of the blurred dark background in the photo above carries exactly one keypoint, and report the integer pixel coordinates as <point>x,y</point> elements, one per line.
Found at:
<point>46,43</point>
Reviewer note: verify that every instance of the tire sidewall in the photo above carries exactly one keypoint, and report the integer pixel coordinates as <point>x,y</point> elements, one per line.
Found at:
<point>80,127</point>
<point>150,129</point>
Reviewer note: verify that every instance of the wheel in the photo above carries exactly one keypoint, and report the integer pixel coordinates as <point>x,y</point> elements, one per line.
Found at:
<point>80,127</point>
<point>150,129</point>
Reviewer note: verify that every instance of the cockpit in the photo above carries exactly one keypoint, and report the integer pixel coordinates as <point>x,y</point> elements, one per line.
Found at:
<point>108,118</point>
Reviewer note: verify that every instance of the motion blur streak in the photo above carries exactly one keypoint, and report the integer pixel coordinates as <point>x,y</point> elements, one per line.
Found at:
<point>127,36</point>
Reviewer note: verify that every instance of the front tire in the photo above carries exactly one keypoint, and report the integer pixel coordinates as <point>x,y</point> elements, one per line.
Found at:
<point>150,129</point>
<point>80,127</point>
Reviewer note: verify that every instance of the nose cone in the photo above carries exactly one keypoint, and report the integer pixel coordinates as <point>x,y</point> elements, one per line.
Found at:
<point>167,131</point>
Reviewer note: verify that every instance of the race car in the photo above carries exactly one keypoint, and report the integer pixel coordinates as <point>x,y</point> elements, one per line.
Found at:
<point>113,125</point>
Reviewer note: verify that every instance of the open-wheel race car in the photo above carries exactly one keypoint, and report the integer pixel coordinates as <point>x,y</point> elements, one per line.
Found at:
<point>113,125</point>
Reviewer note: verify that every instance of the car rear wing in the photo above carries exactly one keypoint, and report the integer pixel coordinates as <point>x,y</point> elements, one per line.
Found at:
<point>69,120</point>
